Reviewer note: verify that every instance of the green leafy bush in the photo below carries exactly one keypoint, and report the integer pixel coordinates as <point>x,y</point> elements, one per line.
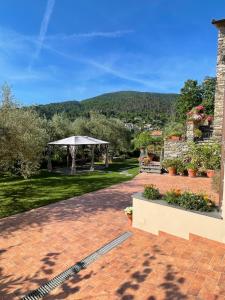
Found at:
<point>197,133</point>
<point>151,192</point>
<point>203,157</point>
<point>174,129</point>
<point>211,156</point>
<point>171,163</point>
<point>181,167</point>
<point>172,197</point>
<point>188,200</point>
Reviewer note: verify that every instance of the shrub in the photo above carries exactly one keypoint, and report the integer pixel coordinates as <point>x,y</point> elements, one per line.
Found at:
<point>193,201</point>
<point>216,182</point>
<point>181,167</point>
<point>211,156</point>
<point>172,196</point>
<point>197,133</point>
<point>174,129</point>
<point>151,192</point>
<point>189,200</point>
<point>174,163</point>
<point>192,166</point>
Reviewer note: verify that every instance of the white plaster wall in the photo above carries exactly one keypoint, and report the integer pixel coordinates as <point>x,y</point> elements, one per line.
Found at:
<point>154,217</point>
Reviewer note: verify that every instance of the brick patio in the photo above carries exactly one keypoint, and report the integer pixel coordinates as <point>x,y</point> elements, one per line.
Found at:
<point>37,245</point>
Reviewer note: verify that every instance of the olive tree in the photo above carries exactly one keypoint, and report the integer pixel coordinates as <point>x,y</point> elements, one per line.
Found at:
<point>108,129</point>
<point>22,137</point>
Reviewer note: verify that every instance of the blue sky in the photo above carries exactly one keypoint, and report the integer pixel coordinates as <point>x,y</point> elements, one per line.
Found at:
<point>54,50</point>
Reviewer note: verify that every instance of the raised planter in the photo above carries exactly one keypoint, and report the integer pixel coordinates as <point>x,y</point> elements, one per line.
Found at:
<point>157,215</point>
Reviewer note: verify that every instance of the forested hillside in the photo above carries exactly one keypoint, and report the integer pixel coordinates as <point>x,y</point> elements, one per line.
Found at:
<point>127,106</point>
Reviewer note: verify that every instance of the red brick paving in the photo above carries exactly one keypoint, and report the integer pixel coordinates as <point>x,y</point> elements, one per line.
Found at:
<point>37,245</point>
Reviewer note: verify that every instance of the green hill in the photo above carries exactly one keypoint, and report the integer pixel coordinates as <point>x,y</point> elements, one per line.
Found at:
<point>128,106</point>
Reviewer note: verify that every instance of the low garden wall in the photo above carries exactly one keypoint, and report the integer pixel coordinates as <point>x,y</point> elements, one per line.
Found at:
<point>156,215</point>
<point>173,149</point>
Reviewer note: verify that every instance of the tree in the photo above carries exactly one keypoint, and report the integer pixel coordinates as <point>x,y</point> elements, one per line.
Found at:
<point>22,138</point>
<point>190,96</point>
<point>208,94</point>
<point>144,139</point>
<point>59,127</point>
<point>108,129</point>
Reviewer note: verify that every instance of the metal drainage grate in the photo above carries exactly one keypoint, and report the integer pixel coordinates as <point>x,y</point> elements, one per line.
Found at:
<point>59,279</point>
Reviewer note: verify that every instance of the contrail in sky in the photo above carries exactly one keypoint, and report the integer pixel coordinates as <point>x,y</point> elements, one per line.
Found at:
<point>44,27</point>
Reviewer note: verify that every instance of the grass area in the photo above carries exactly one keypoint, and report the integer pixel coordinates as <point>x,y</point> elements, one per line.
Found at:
<point>18,195</point>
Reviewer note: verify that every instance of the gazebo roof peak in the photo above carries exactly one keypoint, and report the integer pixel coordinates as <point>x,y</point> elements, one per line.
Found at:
<point>78,140</point>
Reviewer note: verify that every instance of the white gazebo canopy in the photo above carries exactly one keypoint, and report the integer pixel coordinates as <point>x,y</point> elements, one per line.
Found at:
<point>72,142</point>
<point>78,140</point>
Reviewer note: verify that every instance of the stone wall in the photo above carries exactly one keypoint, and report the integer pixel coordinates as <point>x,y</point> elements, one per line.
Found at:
<point>220,86</point>
<point>173,149</point>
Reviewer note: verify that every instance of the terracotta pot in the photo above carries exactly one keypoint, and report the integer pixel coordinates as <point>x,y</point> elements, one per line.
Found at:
<point>192,173</point>
<point>210,173</point>
<point>130,217</point>
<point>172,171</point>
<point>174,138</point>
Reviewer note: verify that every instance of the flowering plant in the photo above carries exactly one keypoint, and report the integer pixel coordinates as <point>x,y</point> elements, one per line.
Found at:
<point>128,210</point>
<point>199,108</point>
<point>210,118</point>
<point>197,114</point>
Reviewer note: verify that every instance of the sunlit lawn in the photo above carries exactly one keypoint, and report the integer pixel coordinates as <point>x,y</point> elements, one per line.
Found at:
<point>17,194</point>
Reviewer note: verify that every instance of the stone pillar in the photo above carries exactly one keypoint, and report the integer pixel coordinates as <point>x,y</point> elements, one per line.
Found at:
<point>190,131</point>
<point>220,85</point>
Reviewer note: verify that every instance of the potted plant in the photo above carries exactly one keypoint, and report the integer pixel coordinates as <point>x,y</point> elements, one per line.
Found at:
<point>181,168</point>
<point>171,166</point>
<point>192,168</point>
<point>196,115</point>
<point>197,133</point>
<point>174,131</point>
<point>129,212</point>
<point>210,158</point>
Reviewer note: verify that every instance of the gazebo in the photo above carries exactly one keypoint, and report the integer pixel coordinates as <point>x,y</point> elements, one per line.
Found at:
<point>72,143</point>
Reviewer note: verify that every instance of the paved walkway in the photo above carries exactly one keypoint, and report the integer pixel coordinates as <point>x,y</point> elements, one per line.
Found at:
<point>37,245</point>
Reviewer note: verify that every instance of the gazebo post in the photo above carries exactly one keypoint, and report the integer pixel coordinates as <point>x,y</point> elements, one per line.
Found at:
<point>73,154</point>
<point>68,156</point>
<point>92,157</point>
<point>107,156</point>
<point>49,159</point>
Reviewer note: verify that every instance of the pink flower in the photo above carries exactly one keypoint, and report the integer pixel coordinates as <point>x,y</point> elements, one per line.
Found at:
<point>209,118</point>
<point>199,107</point>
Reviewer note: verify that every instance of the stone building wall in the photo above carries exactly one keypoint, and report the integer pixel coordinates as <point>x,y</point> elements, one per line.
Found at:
<point>220,86</point>
<point>174,149</point>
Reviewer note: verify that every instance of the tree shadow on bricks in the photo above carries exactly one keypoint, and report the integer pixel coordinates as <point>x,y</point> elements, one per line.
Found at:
<point>171,280</point>
<point>13,287</point>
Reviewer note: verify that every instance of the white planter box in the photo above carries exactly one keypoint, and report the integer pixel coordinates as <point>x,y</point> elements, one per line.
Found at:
<point>156,215</point>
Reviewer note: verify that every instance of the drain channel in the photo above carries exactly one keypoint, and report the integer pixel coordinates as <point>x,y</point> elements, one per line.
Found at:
<point>59,279</point>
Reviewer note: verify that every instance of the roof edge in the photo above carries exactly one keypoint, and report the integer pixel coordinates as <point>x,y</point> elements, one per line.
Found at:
<point>218,23</point>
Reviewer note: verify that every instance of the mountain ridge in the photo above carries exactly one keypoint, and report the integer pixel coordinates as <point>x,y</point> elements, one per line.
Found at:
<point>125,105</point>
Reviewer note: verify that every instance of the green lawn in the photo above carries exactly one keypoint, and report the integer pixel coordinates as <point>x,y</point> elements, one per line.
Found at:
<point>17,194</point>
